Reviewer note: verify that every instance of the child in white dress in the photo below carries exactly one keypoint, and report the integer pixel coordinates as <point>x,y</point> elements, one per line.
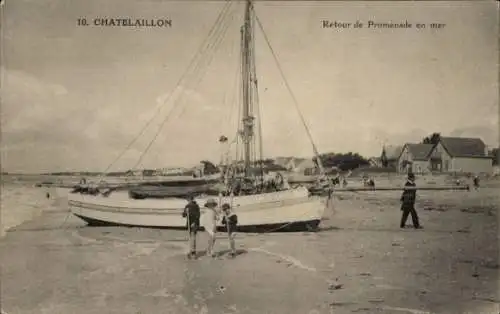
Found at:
<point>209,223</point>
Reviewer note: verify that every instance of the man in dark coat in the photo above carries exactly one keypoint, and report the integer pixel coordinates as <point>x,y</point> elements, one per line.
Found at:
<point>476,182</point>
<point>230,221</point>
<point>408,203</point>
<point>192,213</point>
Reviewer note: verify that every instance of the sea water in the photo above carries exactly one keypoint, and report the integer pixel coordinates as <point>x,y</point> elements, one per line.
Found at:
<point>22,202</point>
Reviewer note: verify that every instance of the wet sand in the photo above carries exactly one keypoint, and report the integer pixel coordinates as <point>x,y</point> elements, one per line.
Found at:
<point>361,262</point>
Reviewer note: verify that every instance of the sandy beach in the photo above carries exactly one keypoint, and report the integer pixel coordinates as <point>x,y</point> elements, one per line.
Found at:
<point>360,262</point>
<point>126,101</point>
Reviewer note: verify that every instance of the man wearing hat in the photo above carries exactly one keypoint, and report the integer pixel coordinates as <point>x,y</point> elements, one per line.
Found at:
<point>209,222</point>
<point>408,203</point>
<point>192,213</point>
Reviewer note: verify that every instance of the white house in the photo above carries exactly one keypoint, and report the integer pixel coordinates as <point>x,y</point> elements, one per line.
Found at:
<point>415,158</point>
<point>456,154</point>
<point>134,173</point>
<point>298,165</point>
<point>282,161</point>
<point>307,167</point>
<point>293,164</point>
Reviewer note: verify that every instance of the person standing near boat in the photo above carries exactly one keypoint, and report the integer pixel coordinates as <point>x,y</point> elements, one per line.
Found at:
<point>408,203</point>
<point>209,223</point>
<point>192,213</point>
<point>230,220</point>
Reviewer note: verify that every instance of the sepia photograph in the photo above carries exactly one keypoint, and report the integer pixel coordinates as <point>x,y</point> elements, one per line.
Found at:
<point>249,156</point>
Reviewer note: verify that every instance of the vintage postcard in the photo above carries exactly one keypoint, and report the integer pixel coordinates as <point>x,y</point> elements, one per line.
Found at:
<point>249,156</point>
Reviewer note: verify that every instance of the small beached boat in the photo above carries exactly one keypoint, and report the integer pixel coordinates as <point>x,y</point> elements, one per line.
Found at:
<point>272,207</point>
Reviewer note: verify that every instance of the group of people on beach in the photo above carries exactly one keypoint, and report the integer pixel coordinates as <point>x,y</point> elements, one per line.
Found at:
<point>208,221</point>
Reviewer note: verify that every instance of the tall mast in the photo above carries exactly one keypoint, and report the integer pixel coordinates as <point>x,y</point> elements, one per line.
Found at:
<point>250,90</point>
<point>247,77</point>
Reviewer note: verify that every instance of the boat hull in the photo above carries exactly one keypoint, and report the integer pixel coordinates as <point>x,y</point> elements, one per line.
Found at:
<point>291,210</point>
<point>295,226</point>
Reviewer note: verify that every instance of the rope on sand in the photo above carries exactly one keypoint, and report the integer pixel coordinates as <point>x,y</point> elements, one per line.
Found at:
<point>65,219</point>
<point>287,258</point>
<point>403,309</point>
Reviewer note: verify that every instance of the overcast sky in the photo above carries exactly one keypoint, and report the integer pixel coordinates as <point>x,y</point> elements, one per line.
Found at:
<point>74,97</point>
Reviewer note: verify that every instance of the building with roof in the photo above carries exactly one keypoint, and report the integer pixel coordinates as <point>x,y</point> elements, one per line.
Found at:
<point>296,164</point>
<point>450,154</point>
<point>457,154</point>
<point>390,155</point>
<point>415,158</point>
<point>301,165</point>
<point>282,161</point>
<point>134,173</point>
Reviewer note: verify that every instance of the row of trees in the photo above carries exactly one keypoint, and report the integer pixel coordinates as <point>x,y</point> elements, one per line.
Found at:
<point>343,161</point>
<point>432,139</point>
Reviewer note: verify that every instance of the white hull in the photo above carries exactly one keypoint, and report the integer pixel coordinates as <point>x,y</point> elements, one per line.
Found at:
<point>280,210</point>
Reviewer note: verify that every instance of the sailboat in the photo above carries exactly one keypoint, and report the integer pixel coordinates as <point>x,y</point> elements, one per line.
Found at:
<point>260,206</point>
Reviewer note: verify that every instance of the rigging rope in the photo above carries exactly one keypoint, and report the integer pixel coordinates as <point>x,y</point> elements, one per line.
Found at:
<point>290,90</point>
<point>211,46</point>
<point>238,125</point>
<point>229,100</point>
<point>233,100</point>
<point>216,45</point>
<point>181,79</point>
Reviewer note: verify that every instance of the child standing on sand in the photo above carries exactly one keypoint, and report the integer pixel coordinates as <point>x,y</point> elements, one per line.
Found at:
<point>192,214</point>
<point>209,223</point>
<point>230,221</point>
